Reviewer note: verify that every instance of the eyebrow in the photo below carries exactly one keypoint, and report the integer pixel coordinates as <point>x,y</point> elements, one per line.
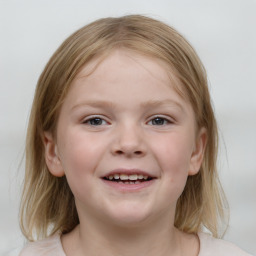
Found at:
<point>157,103</point>
<point>146,104</point>
<point>95,103</point>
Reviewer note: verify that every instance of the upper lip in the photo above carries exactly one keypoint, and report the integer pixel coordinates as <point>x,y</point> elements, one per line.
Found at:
<point>128,172</point>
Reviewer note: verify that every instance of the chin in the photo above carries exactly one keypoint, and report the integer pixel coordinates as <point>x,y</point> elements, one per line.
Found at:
<point>130,215</point>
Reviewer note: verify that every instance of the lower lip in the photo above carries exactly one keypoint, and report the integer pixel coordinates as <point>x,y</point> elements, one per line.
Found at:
<point>129,187</point>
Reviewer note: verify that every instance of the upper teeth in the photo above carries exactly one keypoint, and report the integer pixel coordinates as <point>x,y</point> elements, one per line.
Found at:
<point>127,177</point>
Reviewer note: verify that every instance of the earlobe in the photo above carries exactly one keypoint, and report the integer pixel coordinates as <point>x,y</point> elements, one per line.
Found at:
<point>198,152</point>
<point>52,158</point>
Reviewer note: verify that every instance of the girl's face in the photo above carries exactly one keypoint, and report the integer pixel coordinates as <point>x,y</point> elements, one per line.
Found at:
<point>126,141</point>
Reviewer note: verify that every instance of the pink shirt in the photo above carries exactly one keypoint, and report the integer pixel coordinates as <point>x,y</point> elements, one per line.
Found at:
<point>209,246</point>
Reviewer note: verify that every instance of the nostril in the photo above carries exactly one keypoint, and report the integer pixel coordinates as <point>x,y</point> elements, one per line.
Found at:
<point>119,152</point>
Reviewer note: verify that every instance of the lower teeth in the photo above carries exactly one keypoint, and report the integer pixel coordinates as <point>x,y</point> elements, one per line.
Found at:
<point>129,182</point>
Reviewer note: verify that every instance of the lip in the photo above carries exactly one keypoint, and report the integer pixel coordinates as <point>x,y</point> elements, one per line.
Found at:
<point>122,187</point>
<point>129,187</point>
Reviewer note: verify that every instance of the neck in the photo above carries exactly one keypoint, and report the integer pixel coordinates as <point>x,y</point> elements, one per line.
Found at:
<point>93,238</point>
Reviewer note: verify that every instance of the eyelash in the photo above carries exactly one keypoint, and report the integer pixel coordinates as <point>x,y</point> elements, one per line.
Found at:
<point>90,120</point>
<point>98,121</point>
<point>165,121</point>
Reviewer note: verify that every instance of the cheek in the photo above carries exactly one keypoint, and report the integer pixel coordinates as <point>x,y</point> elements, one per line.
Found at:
<point>174,154</point>
<point>79,157</point>
<point>79,148</point>
<point>175,166</point>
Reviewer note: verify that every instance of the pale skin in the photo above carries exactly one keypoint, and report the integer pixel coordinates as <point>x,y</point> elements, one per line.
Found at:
<point>126,116</point>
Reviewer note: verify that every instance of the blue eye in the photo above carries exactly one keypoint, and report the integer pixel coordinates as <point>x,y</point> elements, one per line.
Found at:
<point>96,121</point>
<point>159,121</point>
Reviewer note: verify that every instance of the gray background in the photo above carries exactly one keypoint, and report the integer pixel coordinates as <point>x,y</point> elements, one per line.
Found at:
<point>224,35</point>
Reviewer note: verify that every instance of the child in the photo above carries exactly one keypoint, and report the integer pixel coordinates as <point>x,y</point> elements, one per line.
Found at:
<point>121,148</point>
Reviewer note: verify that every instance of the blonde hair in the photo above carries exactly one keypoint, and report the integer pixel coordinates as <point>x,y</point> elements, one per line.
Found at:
<point>47,202</point>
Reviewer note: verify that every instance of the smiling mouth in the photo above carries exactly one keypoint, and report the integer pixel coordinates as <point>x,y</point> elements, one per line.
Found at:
<point>128,178</point>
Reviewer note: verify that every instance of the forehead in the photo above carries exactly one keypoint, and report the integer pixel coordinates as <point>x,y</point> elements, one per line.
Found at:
<point>107,64</point>
<point>121,73</point>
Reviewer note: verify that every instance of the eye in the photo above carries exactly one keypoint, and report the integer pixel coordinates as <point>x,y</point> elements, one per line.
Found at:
<point>95,121</point>
<point>159,121</point>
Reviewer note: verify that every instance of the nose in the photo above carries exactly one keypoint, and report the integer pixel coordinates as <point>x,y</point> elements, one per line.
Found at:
<point>129,141</point>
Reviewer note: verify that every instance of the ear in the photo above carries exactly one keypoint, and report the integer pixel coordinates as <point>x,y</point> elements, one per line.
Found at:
<point>51,156</point>
<point>198,152</point>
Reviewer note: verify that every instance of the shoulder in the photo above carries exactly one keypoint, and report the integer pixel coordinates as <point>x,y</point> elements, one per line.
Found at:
<point>210,246</point>
<point>47,247</point>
